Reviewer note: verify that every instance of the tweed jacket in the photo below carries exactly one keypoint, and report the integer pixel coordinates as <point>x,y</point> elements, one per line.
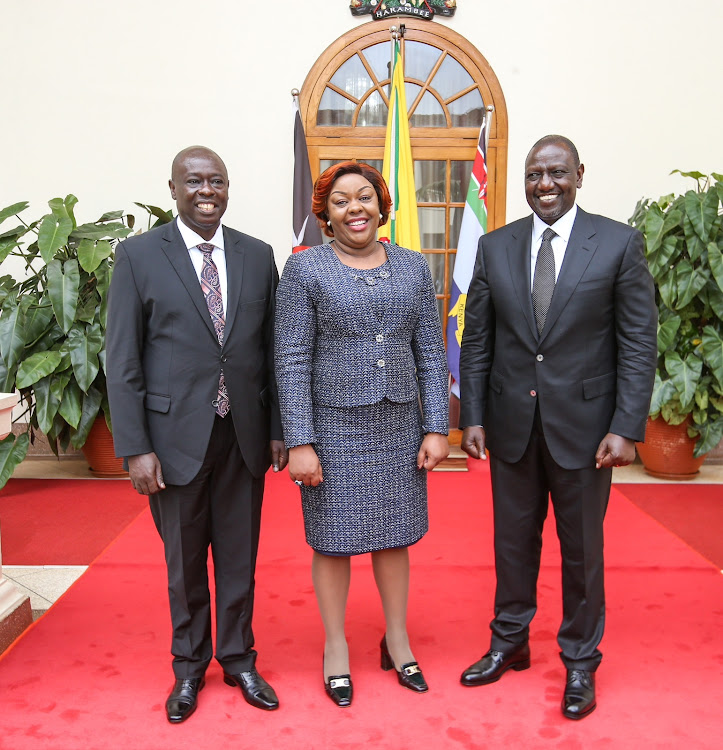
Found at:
<point>332,350</point>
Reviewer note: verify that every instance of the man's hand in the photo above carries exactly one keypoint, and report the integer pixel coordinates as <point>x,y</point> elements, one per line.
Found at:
<point>614,450</point>
<point>279,455</point>
<point>146,474</point>
<point>473,442</point>
<point>434,448</point>
<point>304,465</point>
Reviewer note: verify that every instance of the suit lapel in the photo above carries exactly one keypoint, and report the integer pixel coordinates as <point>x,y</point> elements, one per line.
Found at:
<point>176,251</point>
<point>518,257</point>
<point>235,256</point>
<point>580,250</point>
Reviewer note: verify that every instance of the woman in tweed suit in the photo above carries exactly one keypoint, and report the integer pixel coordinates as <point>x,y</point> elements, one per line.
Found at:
<point>358,347</point>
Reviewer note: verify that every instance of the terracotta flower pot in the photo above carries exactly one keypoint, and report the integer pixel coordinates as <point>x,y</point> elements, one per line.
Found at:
<point>668,451</point>
<point>98,451</point>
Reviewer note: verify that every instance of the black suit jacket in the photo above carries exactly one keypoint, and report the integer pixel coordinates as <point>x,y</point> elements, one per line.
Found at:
<point>592,368</point>
<point>164,360</point>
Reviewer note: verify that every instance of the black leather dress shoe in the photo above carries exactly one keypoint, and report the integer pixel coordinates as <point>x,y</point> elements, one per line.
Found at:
<point>494,664</point>
<point>255,689</point>
<point>182,701</point>
<point>579,699</point>
<point>409,675</point>
<point>340,689</point>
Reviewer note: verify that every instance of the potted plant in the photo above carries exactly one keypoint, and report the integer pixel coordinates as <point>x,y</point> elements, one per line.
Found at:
<point>684,250</point>
<point>53,322</point>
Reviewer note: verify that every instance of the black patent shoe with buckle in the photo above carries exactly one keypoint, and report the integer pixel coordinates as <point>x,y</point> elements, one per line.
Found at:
<point>340,689</point>
<point>409,675</point>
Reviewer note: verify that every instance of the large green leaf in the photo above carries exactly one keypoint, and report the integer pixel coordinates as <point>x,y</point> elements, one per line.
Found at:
<point>13,210</point>
<point>46,404</point>
<point>6,247</point>
<point>711,434</point>
<point>667,332</point>
<point>685,374</point>
<point>668,288</point>
<point>36,367</point>
<point>113,230</point>
<point>103,274</point>
<point>110,216</point>
<point>702,210</point>
<point>37,322</point>
<point>91,254</point>
<point>70,203</point>
<point>12,451</point>
<point>667,253</point>
<point>663,391</point>
<point>12,332</point>
<point>712,348</point>
<point>63,284</point>
<point>690,281</point>
<point>715,259</point>
<point>654,222</point>
<point>715,299</point>
<point>71,404</point>
<point>84,345</point>
<point>693,244</point>
<point>91,405</point>
<point>53,234</point>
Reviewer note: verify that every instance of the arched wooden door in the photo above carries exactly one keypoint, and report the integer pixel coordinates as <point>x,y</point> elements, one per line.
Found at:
<point>344,105</point>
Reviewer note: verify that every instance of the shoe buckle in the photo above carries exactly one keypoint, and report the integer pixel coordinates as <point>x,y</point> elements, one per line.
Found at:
<point>412,669</point>
<point>339,682</point>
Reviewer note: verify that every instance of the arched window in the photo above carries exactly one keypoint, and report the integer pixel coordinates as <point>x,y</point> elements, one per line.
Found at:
<point>449,84</point>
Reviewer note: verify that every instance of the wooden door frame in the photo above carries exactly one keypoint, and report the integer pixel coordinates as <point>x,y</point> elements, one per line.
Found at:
<point>426,142</point>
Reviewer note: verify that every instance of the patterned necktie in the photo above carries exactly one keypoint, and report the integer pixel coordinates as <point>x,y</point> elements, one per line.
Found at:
<point>211,288</point>
<point>543,284</point>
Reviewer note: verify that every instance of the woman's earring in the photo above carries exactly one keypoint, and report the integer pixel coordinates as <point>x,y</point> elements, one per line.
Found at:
<point>381,217</point>
<point>328,223</point>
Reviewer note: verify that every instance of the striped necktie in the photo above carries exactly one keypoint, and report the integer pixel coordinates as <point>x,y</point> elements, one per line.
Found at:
<point>211,288</point>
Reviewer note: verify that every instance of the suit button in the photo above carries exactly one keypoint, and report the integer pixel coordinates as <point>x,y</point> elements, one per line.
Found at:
<point>214,403</point>
<point>539,358</point>
<point>380,363</point>
<point>380,338</point>
<point>533,394</point>
<point>224,359</point>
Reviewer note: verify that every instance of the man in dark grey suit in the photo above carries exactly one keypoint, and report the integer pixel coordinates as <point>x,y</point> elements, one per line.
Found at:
<point>195,414</point>
<point>556,373</point>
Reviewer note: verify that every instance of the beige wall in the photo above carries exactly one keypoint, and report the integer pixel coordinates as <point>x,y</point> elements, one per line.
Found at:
<point>97,97</point>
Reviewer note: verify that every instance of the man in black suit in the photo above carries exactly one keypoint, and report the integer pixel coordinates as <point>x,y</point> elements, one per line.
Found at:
<point>556,373</point>
<point>195,414</point>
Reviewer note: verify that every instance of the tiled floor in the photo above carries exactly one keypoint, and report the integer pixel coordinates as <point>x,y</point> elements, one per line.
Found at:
<point>45,584</point>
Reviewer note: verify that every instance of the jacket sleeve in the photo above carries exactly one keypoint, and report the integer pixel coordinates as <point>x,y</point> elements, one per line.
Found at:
<point>275,430</point>
<point>295,336</point>
<point>430,359</point>
<point>636,327</point>
<point>475,359</point>
<point>124,363</point>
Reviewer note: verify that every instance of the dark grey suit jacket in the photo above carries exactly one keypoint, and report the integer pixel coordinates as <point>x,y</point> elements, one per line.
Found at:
<point>591,370</point>
<point>164,360</point>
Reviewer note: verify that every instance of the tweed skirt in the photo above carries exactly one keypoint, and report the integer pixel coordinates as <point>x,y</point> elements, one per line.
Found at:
<point>373,497</point>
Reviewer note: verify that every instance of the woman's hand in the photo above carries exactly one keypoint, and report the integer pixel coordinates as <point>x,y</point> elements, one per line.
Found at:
<point>304,465</point>
<point>435,448</point>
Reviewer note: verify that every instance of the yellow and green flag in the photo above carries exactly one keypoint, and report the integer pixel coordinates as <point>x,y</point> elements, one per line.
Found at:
<point>398,170</point>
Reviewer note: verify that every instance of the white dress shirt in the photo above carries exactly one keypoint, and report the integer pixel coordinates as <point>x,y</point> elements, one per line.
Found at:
<point>562,227</point>
<point>218,255</point>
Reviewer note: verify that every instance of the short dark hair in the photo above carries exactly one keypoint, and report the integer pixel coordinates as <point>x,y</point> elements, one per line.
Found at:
<point>326,180</point>
<point>561,139</point>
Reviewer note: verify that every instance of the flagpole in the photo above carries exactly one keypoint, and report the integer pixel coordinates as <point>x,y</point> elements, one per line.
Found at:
<point>489,116</point>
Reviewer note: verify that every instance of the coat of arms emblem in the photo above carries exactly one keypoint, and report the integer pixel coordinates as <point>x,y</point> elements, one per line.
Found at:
<point>382,9</point>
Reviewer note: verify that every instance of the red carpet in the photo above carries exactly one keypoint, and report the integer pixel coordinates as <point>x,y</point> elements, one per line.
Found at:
<point>692,512</point>
<point>64,521</point>
<point>94,672</point>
